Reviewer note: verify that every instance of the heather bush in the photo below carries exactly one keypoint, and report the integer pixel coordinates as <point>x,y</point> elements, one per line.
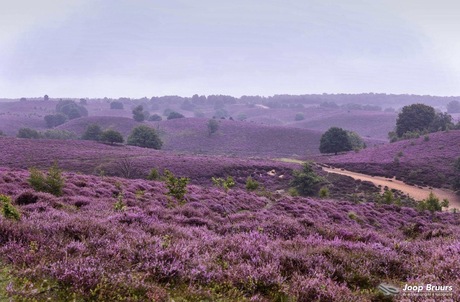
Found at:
<point>52,183</point>
<point>177,186</point>
<point>8,210</point>
<point>251,184</point>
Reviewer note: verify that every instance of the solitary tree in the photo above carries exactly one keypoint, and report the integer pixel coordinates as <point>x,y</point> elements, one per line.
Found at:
<point>174,115</point>
<point>335,140</point>
<point>213,126</point>
<point>415,117</point>
<point>112,136</point>
<point>146,137</point>
<point>138,114</point>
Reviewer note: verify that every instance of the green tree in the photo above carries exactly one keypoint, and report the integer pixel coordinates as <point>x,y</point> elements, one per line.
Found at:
<point>112,136</point>
<point>54,120</point>
<point>453,107</point>
<point>415,117</point>
<point>335,140</point>
<point>306,181</point>
<point>155,118</point>
<point>146,137</point>
<point>93,132</point>
<point>71,109</point>
<point>138,114</point>
<point>213,126</point>
<point>174,115</point>
<point>441,122</point>
<point>177,186</point>
<point>116,105</point>
<point>356,141</point>
<point>28,133</point>
<point>51,183</point>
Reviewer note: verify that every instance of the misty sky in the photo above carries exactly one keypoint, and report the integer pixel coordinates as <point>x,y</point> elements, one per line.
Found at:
<point>136,48</point>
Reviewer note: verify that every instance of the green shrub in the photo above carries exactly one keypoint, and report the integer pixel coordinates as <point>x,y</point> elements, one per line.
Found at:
<point>9,211</point>
<point>154,174</point>
<point>28,133</point>
<point>227,183</point>
<point>112,136</point>
<point>177,186</point>
<point>432,204</point>
<point>119,205</point>
<point>145,137</point>
<point>324,192</point>
<point>51,183</point>
<point>251,184</point>
<point>306,181</point>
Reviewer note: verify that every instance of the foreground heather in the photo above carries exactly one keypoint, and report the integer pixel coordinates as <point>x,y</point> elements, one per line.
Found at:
<point>219,246</point>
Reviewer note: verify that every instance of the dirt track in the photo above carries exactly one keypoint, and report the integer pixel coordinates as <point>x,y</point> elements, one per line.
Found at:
<point>417,193</point>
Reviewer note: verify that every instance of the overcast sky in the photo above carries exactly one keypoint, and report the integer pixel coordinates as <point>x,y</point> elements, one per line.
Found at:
<point>136,48</point>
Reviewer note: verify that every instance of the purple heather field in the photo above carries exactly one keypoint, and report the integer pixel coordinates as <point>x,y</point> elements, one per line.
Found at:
<point>114,235</point>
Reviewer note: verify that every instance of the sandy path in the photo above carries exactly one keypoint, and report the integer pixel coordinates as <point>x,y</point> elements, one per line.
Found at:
<point>417,193</point>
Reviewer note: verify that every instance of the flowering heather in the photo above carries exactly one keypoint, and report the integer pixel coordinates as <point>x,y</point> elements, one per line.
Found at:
<point>419,161</point>
<point>233,245</point>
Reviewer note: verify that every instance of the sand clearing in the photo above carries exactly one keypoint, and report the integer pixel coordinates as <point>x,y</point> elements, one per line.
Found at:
<point>417,193</point>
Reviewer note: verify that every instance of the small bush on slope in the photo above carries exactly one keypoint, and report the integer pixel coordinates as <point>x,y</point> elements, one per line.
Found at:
<point>306,182</point>
<point>8,210</point>
<point>51,183</point>
<point>177,186</point>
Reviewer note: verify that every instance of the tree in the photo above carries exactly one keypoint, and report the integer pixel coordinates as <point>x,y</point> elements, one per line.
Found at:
<point>356,141</point>
<point>54,120</point>
<point>46,97</point>
<point>138,114</point>
<point>112,136</point>
<point>441,122</point>
<point>71,109</point>
<point>93,132</point>
<point>334,140</point>
<point>415,117</point>
<point>457,174</point>
<point>146,137</point>
<point>453,107</point>
<point>306,182</point>
<point>174,115</point>
<point>28,133</point>
<point>213,126</point>
<point>299,117</point>
<point>116,105</point>
<point>155,118</point>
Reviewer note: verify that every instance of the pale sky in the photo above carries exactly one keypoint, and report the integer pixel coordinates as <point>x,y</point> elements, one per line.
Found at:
<point>136,48</point>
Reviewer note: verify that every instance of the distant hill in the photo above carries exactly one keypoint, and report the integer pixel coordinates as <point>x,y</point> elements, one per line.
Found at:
<point>122,124</point>
<point>421,161</point>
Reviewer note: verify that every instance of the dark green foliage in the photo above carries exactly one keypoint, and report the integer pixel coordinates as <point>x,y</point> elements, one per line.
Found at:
<point>155,118</point>
<point>93,132</point>
<point>71,109</point>
<point>221,113</point>
<point>213,126</point>
<point>46,97</point>
<point>441,122</point>
<point>187,105</point>
<point>146,137</point>
<point>453,107</point>
<point>432,204</point>
<point>324,192</point>
<point>335,140</point>
<point>51,183</point>
<point>415,117</point>
<point>356,141</point>
<point>54,120</point>
<point>167,111</point>
<point>251,184</point>
<point>58,134</point>
<point>299,117</point>
<point>154,174</point>
<point>138,114</point>
<point>8,210</point>
<point>116,105</point>
<point>111,136</point>
<point>28,133</point>
<point>174,115</point>
<point>306,182</point>
<point>177,186</point>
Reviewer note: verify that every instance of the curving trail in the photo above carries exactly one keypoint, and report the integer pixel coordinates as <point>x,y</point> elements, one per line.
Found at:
<point>415,192</point>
